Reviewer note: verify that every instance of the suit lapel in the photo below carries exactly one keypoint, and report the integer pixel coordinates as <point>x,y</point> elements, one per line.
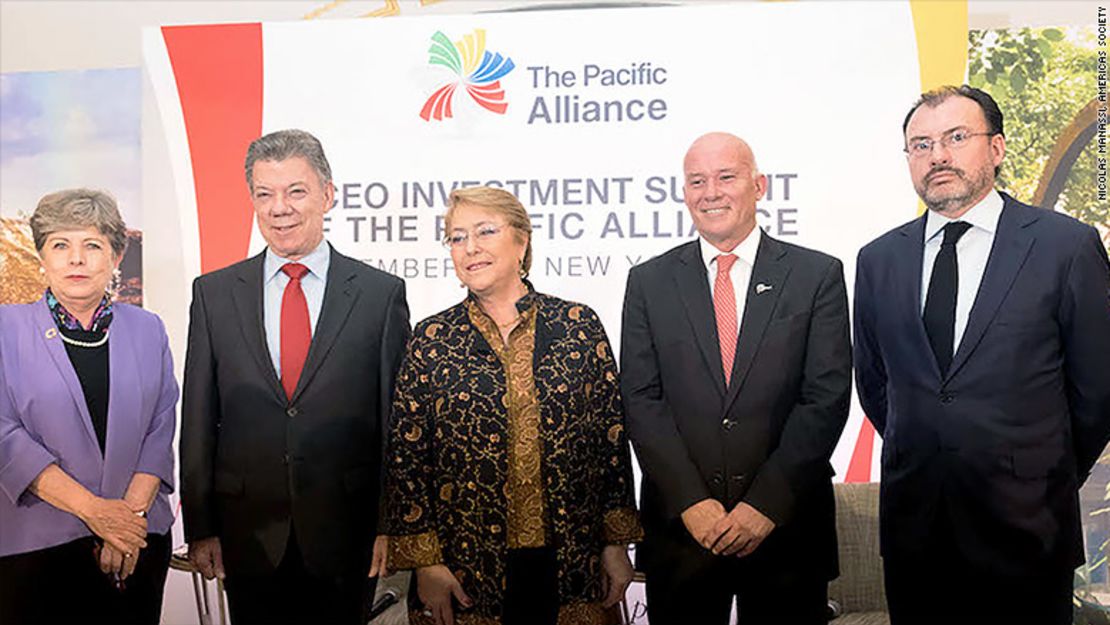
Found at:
<point>247,296</point>
<point>693,289</point>
<point>907,278</point>
<point>124,401</point>
<point>340,295</point>
<point>1012,243</point>
<point>52,339</point>
<point>772,267</point>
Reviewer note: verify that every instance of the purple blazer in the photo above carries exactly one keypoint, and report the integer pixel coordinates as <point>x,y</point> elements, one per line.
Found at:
<point>44,420</point>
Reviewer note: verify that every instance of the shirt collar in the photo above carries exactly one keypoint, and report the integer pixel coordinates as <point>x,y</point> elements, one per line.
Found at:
<point>524,305</point>
<point>745,250</point>
<point>983,215</point>
<point>317,262</point>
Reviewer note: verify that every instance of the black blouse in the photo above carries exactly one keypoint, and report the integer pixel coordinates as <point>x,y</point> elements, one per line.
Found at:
<point>91,366</point>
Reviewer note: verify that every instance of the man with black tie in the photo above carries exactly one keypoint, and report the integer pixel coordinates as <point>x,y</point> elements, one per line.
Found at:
<point>736,373</point>
<point>288,381</point>
<point>982,347</point>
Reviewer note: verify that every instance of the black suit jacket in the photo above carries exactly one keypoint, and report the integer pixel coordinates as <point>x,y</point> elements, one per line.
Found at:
<point>253,462</point>
<point>1004,440</point>
<point>767,438</point>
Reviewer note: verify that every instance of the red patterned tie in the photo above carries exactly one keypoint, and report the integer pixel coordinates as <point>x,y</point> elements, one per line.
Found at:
<point>724,304</point>
<point>296,330</point>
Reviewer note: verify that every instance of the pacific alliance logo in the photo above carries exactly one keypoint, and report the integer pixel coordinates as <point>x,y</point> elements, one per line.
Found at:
<point>479,71</point>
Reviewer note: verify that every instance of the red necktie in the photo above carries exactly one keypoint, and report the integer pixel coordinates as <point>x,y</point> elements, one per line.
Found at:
<point>724,304</point>
<point>296,330</point>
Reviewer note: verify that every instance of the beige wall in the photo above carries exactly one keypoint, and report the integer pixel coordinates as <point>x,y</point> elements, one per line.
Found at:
<point>58,35</point>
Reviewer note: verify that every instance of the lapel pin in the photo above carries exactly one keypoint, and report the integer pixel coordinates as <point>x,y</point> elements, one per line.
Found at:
<point>51,333</point>
<point>760,288</point>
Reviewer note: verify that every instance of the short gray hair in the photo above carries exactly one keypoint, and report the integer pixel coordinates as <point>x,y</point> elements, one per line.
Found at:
<point>79,208</point>
<point>285,144</point>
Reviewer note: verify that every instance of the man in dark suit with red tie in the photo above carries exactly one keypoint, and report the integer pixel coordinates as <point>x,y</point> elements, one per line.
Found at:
<point>288,381</point>
<point>982,347</point>
<point>736,374</point>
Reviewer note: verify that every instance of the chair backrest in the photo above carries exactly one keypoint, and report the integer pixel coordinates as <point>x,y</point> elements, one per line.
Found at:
<point>860,585</point>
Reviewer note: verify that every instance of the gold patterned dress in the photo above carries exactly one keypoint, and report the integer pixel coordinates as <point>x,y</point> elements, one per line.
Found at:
<point>496,446</point>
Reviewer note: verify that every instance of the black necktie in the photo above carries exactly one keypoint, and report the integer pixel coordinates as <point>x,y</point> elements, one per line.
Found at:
<point>940,302</point>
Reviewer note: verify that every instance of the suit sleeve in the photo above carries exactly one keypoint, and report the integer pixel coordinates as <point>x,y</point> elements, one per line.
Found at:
<point>620,523</point>
<point>395,336</point>
<point>409,519</point>
<point>870,368</point>
<point>200,418</point>
<point>1085,331</point>
<point>156,451</point>
<point>659,447</point>
<point>813,426</point>
<point>22,458</point>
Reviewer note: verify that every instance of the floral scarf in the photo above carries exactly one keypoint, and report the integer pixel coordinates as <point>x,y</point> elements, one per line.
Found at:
<point>100,320</point>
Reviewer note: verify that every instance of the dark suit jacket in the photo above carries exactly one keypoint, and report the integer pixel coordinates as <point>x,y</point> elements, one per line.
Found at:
<point>767,438</point>
<point>253,462</point>
<point>1004,440</point>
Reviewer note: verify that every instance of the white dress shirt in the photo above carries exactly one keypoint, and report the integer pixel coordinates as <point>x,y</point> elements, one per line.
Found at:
<point>741,273</point>
<point>273,289</point>
<point>972,251</point>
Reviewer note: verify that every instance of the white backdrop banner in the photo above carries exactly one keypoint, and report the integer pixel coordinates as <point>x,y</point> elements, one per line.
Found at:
<point>584,114</point>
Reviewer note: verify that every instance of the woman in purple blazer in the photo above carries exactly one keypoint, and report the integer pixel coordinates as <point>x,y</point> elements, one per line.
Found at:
<point>87,398</point>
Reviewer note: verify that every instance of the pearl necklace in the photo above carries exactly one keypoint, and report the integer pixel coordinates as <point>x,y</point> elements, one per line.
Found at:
<point>97,343</point>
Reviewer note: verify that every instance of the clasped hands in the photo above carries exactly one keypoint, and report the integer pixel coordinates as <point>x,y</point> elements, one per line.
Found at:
<point>123,529</point>
<point>738,532</point>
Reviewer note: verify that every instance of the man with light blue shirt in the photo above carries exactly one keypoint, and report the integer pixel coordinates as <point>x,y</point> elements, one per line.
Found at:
<point>982,345</point>
<point>288,382</point>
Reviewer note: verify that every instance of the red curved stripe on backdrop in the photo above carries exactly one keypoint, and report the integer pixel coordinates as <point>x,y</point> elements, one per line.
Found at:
<point>447,100</point>
<point>443,102</point>
<point>859,467</point>
<point>433,106</point>
<point>486,96</point>
<point>489,96</point>
<point>426,111</point>
<point>218,70</point>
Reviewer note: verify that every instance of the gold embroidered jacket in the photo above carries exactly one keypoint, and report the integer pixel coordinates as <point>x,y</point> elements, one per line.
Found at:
<point>448,457</point>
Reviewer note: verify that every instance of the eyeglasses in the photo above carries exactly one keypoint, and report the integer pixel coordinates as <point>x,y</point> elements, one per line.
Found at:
<point>953,140</point>
<point>482,234</point>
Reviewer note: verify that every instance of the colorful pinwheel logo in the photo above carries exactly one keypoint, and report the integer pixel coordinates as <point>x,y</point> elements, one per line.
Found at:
<point>481,79</point>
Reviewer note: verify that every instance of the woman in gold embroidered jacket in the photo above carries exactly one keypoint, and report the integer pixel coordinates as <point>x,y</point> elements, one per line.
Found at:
<point>509,477</point>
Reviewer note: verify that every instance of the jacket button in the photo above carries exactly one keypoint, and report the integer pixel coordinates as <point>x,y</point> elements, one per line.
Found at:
<point>947,398</point>
<point>739,478</point>
<point>285,459</point>
<point>716,479</point>
<point>291,412</point>
<point>727,424</point>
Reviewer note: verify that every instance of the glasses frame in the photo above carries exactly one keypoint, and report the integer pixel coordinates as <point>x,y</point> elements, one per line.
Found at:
<point>945,140</point>
<point>474,232</point>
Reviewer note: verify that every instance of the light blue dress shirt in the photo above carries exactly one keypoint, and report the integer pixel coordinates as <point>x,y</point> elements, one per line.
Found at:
<point>274,281</point>
<point>972,251</point>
